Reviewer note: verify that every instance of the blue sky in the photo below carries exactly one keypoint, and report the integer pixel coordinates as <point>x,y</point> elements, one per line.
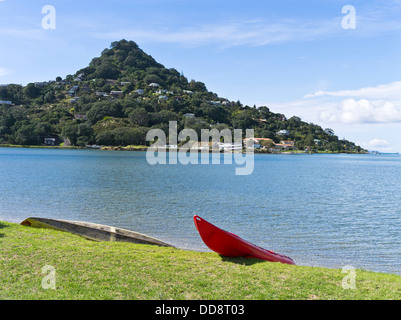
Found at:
<point>295,57</point>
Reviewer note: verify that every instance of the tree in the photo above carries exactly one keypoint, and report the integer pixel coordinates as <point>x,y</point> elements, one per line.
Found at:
<point>264,112</point>
<point>196,86</point>
<point>31,91</point>
<point>334,146</point>
<point>101,109</point>
<point>128,136</point>
<point>167,116</point>
<point>243,120</point>
<point>105,138</point>
<point>107,71</point>
<point>7,121</point>
<point>267,144</point>
<point>214,113</point>
<point>26,135</point>
<point>130,61</point>
<point>139,116</point>
<point>70,131</point>
<point>122,136</point>
<point>49,97</point>
<point>152,78</point>
<point>85,134</point>
<point>42,129</point>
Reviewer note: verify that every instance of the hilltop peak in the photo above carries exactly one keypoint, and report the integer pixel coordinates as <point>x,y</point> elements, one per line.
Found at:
<point>124,60</point>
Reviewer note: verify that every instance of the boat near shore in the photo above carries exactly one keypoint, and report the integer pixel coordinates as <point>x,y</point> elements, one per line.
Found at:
<point>228,244</point>
<point>93,231</point>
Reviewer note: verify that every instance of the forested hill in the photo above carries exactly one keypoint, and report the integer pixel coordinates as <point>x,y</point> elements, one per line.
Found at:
<point>123,93</point>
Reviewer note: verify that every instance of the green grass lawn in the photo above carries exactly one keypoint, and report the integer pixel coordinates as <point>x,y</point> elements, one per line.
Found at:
<point>86,269</point>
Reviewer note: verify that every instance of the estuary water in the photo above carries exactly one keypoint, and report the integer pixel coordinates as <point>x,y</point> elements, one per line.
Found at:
<point>321,210</point>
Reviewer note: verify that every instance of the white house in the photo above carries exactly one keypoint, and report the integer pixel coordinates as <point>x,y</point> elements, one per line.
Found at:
<point>283,133</point>
<point>116,93</point>
<point>230,146</point>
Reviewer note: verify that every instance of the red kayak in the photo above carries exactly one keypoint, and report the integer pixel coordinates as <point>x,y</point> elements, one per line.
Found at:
<point>230,245</point>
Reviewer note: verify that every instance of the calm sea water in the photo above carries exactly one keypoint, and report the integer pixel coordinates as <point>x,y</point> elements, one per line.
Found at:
<point>321,210</point>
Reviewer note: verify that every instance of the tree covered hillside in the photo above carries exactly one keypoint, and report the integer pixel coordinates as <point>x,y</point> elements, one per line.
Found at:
<point>123,93</point>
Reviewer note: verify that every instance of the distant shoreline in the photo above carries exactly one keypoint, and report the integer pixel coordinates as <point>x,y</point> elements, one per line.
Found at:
<point>145,148</point>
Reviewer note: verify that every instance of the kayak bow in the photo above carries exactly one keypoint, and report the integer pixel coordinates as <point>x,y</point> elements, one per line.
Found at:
<point>230,245</point>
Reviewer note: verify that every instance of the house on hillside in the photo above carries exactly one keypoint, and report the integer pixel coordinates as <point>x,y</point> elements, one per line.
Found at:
<point>283,146</point>
<point>79,77</point>
<point>256,142</point>
<point>226,103</point>
<point>215,103</point>
<point>116,93</point>
<point>283,133</point>
<point>288,143</point>
<point>73,91</point>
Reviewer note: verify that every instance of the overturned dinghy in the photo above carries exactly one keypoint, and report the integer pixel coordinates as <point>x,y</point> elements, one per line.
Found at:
<point>93,231</point>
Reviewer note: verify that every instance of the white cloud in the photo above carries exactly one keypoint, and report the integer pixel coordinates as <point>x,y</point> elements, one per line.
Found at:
<point>21,33</point>
<point>351,111</point>
<point>248,32</point>
<point>378,104</point>
<point>4,71</point>
<point>384,91</point>
<point>377,144</point>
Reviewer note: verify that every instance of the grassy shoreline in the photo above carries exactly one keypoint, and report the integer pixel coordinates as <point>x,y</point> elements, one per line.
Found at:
<point>110,270</point>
